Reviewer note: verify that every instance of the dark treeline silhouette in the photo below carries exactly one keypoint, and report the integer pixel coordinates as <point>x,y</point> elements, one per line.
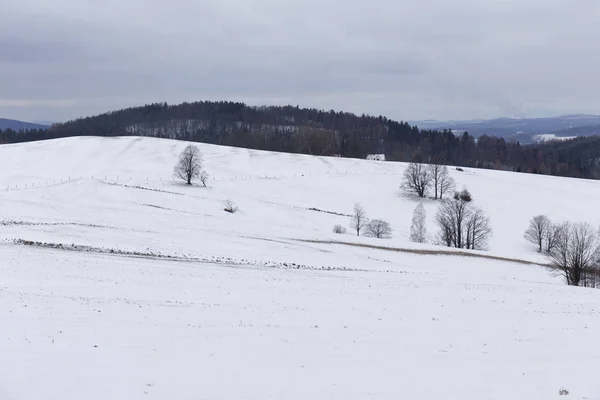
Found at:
<point>311,131</point>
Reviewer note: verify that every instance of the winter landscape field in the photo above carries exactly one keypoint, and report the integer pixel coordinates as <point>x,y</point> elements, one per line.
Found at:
<point>119,282</point>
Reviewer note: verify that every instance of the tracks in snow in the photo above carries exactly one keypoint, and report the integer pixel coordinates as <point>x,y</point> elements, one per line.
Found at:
<point>151,255</point>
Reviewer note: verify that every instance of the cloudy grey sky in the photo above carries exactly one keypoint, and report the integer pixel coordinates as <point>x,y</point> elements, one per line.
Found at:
<point>406,59</point>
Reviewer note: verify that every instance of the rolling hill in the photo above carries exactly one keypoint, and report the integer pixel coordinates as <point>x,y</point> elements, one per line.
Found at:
<point>328,133</point>
<point>119,282</point>
<point>19,125</point>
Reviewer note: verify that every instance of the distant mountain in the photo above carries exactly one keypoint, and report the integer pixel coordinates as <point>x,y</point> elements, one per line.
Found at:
<point>588,130</point>
<point>18,125</point>
<point>42,122</point>
<point>525,130</point>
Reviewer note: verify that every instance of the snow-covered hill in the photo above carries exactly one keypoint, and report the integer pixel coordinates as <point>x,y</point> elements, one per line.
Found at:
<point>145,288</point>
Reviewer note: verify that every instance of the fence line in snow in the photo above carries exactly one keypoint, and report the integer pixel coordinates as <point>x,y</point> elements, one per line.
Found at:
<point>107,178</point>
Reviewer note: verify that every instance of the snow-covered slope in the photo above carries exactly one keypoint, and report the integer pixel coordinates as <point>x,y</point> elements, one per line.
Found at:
<point>156,292</point>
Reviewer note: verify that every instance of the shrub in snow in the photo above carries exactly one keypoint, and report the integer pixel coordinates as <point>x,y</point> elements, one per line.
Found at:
<point>339,229</point>
<point>465,195</point>
<point>230,207</point>
<point>563,392</point>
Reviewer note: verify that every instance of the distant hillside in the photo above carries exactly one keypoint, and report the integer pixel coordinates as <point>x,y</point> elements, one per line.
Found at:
<point>524,130</point>
<point>588,130</point>
<point>317,132</point>
<point>19,125</point>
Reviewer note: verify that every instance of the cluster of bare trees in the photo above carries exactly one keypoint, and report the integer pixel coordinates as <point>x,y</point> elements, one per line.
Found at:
<point>461,224</point>
<point>420,178</point>
<point>572,248</point>
<point>359,222</point>
<point>543,233</point>
<point>190,167</point>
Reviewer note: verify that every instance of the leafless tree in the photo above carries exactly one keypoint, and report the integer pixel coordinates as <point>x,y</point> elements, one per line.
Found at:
<point>379,229</point>
<point>576,254</point>
<point>417,179</point>
<point>189,166</point>
<point>445,183</point>
<point>359,219</point>
<point>203,177</point>
<point>538,230</point>
<point>478,230</point>
<point>418,229</point>
<point>451,219</point>
<point>441,180</point>
<point>552,235</point>
<point>462,225</point>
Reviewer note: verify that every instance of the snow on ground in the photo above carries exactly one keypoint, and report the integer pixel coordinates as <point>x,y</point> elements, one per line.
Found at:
<point>545,137</point>
<point>221,306</point>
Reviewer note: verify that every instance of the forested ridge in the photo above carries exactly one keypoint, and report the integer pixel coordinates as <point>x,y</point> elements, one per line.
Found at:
<point>318,132</point>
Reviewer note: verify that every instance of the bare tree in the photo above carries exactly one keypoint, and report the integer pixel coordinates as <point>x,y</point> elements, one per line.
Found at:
<point>359,219</point>
<point>451,219</point>
<point>418,230</point>
<point>189,166</point>
<point>576,254</point>
<point>417,178</point>
<point>538,230</point>
<point>203,177</point>
<point>462,225</point>
<point>552,236</point>
<point>478,230</point>
<point>446,183</point>
<point>441,180</point>
<point>379,229</point>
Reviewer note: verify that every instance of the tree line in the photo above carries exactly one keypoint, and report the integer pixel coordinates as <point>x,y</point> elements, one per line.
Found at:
<point>330,133</point>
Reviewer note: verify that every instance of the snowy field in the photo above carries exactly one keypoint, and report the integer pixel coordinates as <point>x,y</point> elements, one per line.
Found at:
<point>147,289</point>
<point>546,137</point>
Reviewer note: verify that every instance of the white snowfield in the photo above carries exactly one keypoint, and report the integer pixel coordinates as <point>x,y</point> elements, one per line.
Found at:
<point>143,288</point>
<point>545,137</point>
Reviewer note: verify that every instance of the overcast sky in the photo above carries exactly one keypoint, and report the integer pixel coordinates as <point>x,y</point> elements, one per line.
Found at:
<point>406,59</point>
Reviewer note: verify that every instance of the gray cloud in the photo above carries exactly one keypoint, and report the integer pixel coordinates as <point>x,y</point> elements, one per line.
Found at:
<point>407,60</point>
